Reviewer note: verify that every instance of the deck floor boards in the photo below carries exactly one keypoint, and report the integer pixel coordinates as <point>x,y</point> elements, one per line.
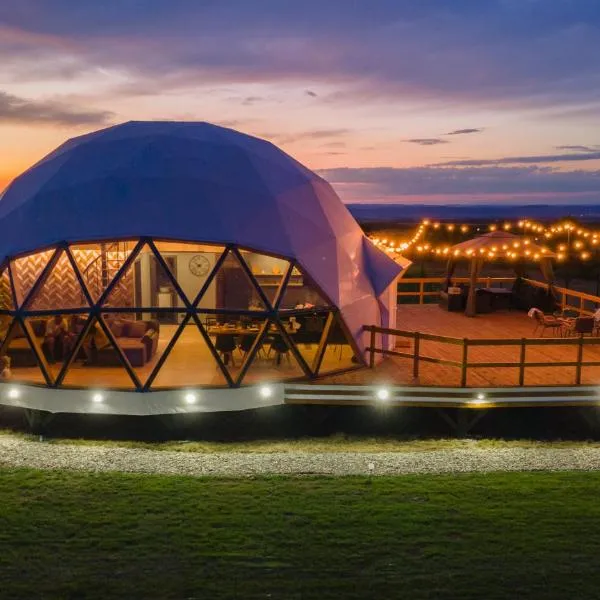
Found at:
<point>430,318</point>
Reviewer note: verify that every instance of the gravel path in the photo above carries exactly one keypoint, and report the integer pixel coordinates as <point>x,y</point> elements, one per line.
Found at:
<point>15,452</point>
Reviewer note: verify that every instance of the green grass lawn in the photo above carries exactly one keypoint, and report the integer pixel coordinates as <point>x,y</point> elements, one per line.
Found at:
<point>75,535</point>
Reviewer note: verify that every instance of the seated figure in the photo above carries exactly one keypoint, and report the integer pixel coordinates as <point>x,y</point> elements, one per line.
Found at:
<point>58,340</point>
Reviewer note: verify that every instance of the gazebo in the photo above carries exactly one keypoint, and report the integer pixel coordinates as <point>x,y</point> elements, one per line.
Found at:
<point>497,245</point>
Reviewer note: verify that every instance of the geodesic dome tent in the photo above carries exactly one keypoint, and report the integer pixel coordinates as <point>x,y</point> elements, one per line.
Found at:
<point>158,255</point>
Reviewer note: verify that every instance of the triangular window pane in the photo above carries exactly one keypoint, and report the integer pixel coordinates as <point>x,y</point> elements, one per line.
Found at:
<point>97,365</point>
<point>306,330</point>
<point>19,361</point>
<point>142,339</point>
<point>56,336</point>
<point>99,263</point>
<point>189,363</point>
<point>191,265</point>
<point>5,321</point>
<point>232,337</point>
<point>276,362</point>
<point>61,289</point>
<point>268,271</point>
<point>146,284</point>
<point>301,292</point>
<point>6,297</point>
<point>339,353</point>
<point>26,270</point>
<point>234,289</point>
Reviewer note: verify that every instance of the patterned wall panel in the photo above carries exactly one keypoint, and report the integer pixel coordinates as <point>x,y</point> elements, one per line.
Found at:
<point>26,271</point>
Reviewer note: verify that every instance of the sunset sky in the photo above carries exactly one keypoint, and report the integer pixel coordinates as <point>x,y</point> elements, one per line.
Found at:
<point>392,101</point>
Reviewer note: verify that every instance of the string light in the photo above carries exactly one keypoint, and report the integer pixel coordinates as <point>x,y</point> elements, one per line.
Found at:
<point>414,241</point>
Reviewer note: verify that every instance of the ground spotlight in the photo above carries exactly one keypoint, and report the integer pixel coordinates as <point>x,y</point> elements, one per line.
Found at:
<point>383,394</point>
<point>480,396</point>
<point>97,398</point>
<point>14,393</point>
<point>265,391</point>
<point>190,398</point>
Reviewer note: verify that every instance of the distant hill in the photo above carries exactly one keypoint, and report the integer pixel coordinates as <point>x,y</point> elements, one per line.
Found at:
<point>389,213</point>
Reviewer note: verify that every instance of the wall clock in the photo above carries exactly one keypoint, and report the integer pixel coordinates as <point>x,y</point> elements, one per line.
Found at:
<point>199,265</point>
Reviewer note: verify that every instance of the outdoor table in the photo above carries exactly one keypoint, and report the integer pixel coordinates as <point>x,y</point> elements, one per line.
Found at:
<point>501,297</point>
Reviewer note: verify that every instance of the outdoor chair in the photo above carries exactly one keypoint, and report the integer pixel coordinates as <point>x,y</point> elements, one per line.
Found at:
<point>543,322</point>
<point>581,326</point>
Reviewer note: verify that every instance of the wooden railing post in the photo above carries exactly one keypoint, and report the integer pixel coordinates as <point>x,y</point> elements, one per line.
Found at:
<point>579,360</point>
<point>421,292</point>
<point>372,349</point>
<point>464,361</point>
<point>417,343</point>
<point>522,362</point>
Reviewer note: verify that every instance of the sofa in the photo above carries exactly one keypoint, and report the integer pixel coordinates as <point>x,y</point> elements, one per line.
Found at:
<point>137,339</point>
<point>19,350</point>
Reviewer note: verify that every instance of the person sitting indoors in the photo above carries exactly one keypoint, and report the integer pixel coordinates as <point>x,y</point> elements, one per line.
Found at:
<point>58,339</point>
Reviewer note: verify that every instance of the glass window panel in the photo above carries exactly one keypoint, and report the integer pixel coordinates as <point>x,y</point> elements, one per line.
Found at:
<point>99,263</point>
<point>97,365</point>
<point>276,362</point>
<point>6,297</point>
<point>19,361</point>
<point>306,330</point>
<point>301,292</point>
<point>232,337</point>
<point>189,363</point>
<point>5,321</point>
<point>339,353</point>
<point>61,289</point>
<point>268,271</point>
<point>191,265</point>
<point>56,337</point>
<point>234,289</point>
<point>146,284</point>
<point>143,340</point>
<point>26,270</point>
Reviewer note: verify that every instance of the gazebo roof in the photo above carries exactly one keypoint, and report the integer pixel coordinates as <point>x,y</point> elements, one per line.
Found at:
<point>501,244</point>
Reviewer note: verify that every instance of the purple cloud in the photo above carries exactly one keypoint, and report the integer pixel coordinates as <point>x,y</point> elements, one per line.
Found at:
<point>465,131</point>
<point>427,141</point>
<point>20,110</point>
<point>543,57</point>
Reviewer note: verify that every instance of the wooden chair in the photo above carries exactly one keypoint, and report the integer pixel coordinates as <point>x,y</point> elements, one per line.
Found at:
<point>543,322</point>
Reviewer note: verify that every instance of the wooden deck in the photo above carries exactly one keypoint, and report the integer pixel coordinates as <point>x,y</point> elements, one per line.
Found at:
<point>431,319</point>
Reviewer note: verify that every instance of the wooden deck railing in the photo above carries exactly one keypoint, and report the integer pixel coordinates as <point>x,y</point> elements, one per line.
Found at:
<point>430,287</point>
<point>417,357</point>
